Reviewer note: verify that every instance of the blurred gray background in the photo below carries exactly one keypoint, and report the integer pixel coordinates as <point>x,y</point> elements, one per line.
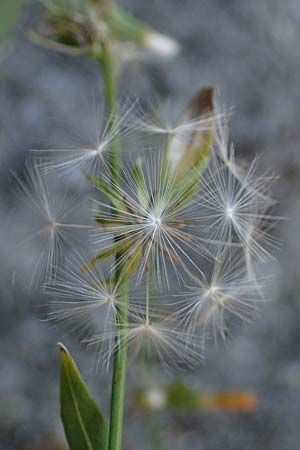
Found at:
<point>251,51</point>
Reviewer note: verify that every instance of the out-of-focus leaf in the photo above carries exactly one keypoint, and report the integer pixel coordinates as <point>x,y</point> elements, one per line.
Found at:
<point>182,397</point>
<point>175,396</point>
<point>84,424</point>
<point>10,11</point>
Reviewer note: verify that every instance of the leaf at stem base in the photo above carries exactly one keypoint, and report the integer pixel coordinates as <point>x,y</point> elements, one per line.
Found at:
<point>84,424</point>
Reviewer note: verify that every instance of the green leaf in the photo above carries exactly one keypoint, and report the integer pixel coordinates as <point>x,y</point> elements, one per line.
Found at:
<point>10,10</point>
<point>84,424</point>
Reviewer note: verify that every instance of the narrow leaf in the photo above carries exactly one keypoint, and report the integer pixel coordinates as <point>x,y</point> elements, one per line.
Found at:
<point>84,424</point>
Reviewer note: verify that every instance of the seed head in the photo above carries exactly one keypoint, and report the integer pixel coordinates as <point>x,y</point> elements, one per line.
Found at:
<point>186,217</point>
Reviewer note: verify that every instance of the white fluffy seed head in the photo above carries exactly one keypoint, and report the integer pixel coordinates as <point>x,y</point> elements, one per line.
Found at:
<point>207,236</point>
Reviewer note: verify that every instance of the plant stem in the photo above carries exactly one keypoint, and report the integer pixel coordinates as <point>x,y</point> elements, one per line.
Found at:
<point>119,377</point>
<point>110,92</point>
<point>120,357</point>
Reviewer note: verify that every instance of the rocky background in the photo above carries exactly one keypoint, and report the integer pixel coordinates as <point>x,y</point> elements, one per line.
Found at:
<point>251,51</point>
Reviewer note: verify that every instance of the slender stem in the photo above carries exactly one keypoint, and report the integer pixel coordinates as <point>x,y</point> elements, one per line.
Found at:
<point>119,376</point>
<point>110,91</point>
<point>120,357</point>
<point>147,297</point>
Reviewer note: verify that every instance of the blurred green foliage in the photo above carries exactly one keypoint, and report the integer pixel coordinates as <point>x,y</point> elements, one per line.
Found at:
<point>10,11</point>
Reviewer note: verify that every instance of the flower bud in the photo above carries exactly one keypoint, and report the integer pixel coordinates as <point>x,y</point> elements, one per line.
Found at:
<point>160,44</point>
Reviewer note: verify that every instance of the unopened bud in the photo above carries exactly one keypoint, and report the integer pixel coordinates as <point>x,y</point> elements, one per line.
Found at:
<point>160,44</point>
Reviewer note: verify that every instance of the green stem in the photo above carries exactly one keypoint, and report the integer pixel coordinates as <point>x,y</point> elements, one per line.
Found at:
<point>120,357</point>
<point>119,376</point>
<point>110,92</point>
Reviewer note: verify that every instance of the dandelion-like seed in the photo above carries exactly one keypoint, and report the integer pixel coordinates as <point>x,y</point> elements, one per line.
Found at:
<point>150,221</point>
<point>52,211</point>
<point>160,121</point>
<point>227,291</point>
<point>152,334</point>
<point>93,151</point>
<point>163,126</point>
<point>161,340</point>
<point>234,210</point>
<point>86,299</point>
